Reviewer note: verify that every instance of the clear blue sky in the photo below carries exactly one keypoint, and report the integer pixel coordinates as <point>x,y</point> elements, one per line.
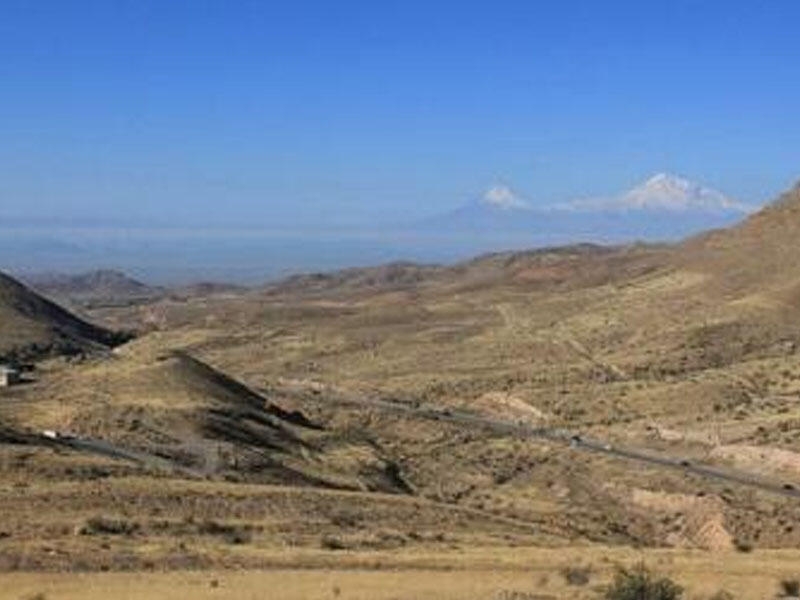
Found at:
<point>267,112</point>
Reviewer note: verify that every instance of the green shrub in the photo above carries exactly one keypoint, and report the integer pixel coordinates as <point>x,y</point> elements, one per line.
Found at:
<point>639,584</point>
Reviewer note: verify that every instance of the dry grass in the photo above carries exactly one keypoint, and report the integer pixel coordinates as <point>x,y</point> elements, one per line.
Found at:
<point>469,575</point>
<point>649,347</point>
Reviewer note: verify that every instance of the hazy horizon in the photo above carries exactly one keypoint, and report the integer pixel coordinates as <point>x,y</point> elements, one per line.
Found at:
<point>323,127</point>
<point>499,220</point>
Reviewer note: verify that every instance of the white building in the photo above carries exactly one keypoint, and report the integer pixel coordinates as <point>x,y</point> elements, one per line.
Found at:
<point>8,376</point>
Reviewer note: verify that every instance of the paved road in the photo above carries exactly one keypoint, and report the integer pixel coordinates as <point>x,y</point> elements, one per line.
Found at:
<point>518,429</point>
<point>94,446</point>
<point>575,441</point>
<point>110,450</point>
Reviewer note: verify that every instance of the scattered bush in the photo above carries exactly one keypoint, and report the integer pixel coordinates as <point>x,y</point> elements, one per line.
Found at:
<point>330,542</point>
<point>744,546</point>
<point>790,588</point>
<point>233,534</point>
<point>345,520</point>
<point>577,575</point>
<point>722,595</point>
<point>109,526</point>
<point>238,537</point>
<point>639,584</point>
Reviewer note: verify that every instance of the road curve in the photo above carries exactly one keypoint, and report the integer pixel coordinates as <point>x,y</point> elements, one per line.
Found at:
<point>574,440</point>
<point>92,446</point>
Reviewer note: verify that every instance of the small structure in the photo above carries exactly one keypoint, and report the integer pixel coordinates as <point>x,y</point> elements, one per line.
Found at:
<point>8,376</point>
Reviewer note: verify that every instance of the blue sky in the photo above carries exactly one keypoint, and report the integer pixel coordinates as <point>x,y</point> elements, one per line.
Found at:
<point>298,113</point>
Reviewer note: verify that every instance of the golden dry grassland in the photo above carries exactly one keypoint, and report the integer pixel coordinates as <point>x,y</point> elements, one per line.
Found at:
<point>467,575</point>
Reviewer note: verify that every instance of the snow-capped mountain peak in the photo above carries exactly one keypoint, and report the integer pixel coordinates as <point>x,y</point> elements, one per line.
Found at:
<point>670,192</point>
<point>665,192</point>
<point>504,198</point>
<point>664,207</point>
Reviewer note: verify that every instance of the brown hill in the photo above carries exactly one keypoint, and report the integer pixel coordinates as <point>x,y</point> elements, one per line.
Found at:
<point>32,327</point>
<point>175,408</point>
<point>549,267</point>
<point>679,351</point>
<point>381,278</point>
<point>100,287</point>
<point>758,256</point>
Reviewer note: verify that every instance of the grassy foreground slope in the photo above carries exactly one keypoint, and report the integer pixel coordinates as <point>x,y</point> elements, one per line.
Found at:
<point>474,575</point>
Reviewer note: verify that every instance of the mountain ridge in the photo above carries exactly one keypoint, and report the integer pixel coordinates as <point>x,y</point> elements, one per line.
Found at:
<point>32,327</point>
<point>666,192</point>
<point>662,208</point>
<point>110,282</point>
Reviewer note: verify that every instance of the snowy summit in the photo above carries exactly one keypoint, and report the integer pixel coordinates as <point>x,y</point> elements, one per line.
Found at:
<point>664,207</point>
<point>503,197</point>
<point>673,193</point>
<point>665,192</point>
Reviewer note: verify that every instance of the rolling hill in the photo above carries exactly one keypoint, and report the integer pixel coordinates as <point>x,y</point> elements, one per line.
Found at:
<point>103,286</point>
<point>171,406</point>
<point>757,255</point>
<point>32,326</point>
<point>268,407</point>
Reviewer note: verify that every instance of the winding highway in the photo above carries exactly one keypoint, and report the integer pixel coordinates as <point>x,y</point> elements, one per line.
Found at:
<point>91,446</point>
<point>575,441</point>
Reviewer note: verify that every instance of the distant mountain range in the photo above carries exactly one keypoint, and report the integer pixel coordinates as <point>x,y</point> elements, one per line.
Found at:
<point>665,207</point>
<point>662,208</point>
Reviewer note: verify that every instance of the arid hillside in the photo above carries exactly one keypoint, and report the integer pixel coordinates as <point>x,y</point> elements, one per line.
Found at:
<point>198,421</point>
<point>755,261</point>
<point>656,346</point>
<point>32,327</point>
<point>582,397</point>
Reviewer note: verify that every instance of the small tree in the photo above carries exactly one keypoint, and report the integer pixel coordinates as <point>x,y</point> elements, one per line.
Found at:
<point>639,584</point>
